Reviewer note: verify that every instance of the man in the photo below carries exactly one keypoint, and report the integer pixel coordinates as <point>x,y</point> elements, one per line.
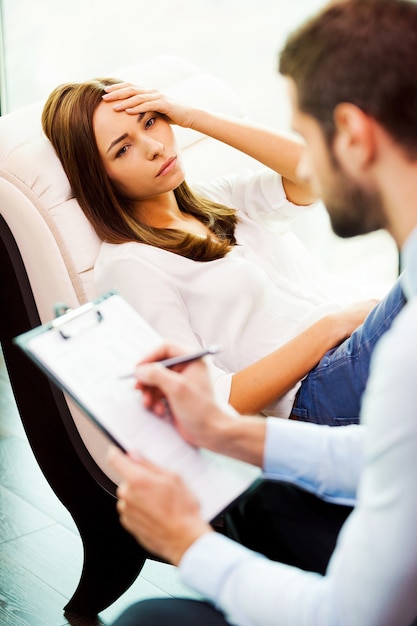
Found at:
<point>352,80</point>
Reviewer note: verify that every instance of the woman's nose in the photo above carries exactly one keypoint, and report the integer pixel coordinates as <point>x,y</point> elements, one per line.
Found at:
<point>154,149</point>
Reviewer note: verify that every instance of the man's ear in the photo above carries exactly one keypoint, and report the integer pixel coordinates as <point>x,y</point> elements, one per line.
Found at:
<point>354,141</point>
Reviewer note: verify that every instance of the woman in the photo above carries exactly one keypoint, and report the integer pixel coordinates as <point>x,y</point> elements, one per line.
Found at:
<point>201,272</point>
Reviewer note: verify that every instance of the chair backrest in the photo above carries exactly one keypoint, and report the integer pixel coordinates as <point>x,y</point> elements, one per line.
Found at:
<point>57,245</point>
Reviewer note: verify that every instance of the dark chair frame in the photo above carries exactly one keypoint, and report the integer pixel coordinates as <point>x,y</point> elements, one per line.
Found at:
<point>112,558</point>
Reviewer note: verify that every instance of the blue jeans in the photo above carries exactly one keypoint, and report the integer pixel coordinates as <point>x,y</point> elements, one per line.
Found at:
<point>332,392</point>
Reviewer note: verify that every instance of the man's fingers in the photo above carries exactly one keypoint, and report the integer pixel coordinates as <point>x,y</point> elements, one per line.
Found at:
<point>119,461</point>
<point>131,465</point>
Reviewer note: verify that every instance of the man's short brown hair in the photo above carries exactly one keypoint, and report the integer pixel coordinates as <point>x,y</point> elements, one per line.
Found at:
<point>363,52</point>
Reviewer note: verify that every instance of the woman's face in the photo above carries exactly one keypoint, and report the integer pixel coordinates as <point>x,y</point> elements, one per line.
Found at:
<point>139,152</point>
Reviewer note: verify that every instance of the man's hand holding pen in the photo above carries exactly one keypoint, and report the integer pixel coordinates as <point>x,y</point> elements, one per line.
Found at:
<point>190,397</point>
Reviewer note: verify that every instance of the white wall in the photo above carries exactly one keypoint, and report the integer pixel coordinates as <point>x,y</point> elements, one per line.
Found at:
<point>53,41</point>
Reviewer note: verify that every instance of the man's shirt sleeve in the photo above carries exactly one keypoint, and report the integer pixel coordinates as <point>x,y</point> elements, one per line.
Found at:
<point>324,460</point>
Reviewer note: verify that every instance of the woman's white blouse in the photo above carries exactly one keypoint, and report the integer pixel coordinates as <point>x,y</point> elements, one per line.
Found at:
<point>263,293</point>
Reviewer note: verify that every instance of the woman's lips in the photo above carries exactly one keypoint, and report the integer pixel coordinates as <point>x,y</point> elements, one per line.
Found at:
<point>167,166</point>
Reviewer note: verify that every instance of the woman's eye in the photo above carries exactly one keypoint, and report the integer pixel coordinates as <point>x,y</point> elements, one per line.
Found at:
<point>122,151</point>
<point>150,122</point>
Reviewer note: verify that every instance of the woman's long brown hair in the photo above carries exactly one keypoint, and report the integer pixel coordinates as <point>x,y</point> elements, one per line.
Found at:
<point>67,120</point>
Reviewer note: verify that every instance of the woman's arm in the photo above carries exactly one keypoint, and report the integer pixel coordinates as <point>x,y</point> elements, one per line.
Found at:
<point>266,380</point>
<point>273,149</point>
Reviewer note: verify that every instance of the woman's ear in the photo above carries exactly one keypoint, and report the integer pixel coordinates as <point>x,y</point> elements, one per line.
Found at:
<point>354,142</point>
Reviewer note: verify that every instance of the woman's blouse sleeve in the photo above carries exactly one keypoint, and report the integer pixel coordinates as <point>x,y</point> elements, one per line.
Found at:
<point>259,194</point>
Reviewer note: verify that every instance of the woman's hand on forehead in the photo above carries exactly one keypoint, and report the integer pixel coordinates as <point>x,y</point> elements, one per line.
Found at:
<point>133,99</point>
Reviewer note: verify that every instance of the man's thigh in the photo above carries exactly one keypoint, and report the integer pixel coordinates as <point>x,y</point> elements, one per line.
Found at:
<point>287,524</point>
<point>171,612</point>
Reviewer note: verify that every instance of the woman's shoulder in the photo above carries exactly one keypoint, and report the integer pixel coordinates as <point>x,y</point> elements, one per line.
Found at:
<point>133,249</point>
<point>136,254</point>
<point>242,190</point>
<point>225,187</point>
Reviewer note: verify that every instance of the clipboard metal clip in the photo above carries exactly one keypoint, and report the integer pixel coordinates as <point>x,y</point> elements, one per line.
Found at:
<point>72,322</point>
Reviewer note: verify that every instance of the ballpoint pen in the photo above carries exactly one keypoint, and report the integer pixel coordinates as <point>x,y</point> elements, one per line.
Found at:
<point>182,358</point>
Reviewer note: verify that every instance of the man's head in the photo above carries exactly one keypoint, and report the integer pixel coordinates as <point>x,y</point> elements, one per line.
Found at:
<point>353,66</point>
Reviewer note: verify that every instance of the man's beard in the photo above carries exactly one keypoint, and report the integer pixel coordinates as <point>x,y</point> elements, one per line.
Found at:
<point>354,210</point>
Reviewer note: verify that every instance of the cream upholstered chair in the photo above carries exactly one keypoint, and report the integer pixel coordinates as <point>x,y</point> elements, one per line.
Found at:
<point>47,254</point>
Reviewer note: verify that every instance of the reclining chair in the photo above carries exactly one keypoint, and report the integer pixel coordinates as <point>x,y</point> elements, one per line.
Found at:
<point>47,254</point>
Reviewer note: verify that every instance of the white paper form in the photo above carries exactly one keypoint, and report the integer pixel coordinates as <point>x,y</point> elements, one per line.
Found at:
<point>87,357</point>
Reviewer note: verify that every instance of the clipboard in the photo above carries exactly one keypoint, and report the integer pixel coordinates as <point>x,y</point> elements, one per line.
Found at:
<point>87,352</point>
